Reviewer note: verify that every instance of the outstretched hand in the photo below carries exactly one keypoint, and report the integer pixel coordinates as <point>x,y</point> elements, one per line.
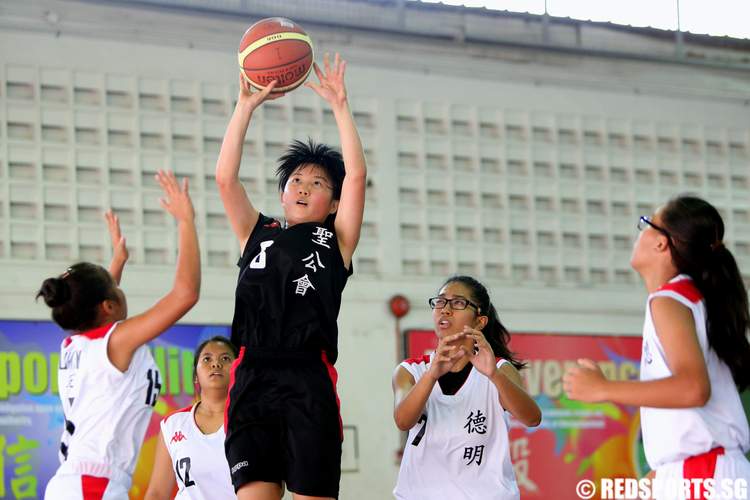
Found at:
<point>176,198</point>
<point>482,356</point>
<point>254,98</point>
<point>119,247</point>
<point>446,356</point>
<point>331,85</point>
<point>585,382</point>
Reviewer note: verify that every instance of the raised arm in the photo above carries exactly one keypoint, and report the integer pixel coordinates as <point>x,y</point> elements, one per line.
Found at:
<point>136,331</point>
<point>240,211</point>
<point>119,249</point>
<point>352,203</point>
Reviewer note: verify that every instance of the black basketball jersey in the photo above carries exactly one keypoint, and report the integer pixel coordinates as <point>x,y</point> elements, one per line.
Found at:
<point>289,289</point>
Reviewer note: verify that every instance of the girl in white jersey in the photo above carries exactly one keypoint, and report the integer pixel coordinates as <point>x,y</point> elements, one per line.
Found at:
<point>190,453</point>
<point>695,355</point>
<point>454,403</point>
<point>108,380</point>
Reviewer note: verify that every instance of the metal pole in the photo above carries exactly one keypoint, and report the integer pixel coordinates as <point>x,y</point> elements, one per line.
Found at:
<point>679,41</point>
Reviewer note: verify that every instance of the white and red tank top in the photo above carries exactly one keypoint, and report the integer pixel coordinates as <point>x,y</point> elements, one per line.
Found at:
<point>671,435</point>
<point>459,447</point>
<point>106,411</point>
<point>198,459</point>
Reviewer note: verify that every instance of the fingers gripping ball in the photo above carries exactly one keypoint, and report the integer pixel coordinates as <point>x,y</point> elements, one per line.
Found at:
<point>275,49</point>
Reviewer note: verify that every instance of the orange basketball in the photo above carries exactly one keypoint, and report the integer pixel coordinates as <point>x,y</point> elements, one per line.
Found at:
<point>275,49</point>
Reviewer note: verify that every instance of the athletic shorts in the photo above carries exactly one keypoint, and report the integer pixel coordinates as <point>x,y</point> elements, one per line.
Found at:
<point>729,469</point>
<point>283,423</point>
<point>83,487</point>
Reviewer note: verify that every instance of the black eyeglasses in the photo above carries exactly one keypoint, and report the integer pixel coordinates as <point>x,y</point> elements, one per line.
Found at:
<point>457,303</point>
<point>644,222</point>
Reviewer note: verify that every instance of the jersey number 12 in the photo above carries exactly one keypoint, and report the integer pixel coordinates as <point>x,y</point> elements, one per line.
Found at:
<point>184,463</point>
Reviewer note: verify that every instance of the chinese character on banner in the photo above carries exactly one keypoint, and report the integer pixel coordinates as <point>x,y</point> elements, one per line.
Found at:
<point>23,484</point>
<point>474,454</point>
<point>519,453</point>
<point>303,284</point>
<point>476,423</point>
<point>321,236</point>
<point>310,261</point>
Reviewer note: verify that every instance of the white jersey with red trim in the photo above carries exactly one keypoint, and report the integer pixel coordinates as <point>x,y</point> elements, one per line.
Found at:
<point>198,459</point>
<point>106,411</point>
<point>671,435</point>
<point>459,447</point>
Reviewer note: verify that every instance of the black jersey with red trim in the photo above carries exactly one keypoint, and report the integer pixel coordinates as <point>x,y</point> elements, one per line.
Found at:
<point>289,289</point>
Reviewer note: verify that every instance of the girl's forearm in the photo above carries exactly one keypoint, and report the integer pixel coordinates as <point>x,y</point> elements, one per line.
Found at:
<point>516,400</point>
<point>410,408</point>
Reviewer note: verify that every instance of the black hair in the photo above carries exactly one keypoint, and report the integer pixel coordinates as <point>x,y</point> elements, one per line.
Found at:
<point>495,332</point>
<point>310,153</point>
<point>218,339</point>
<point>696,233</point>
<point>75,295</point>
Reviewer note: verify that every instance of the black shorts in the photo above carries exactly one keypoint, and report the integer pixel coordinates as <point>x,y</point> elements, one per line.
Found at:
<point>283,423</point>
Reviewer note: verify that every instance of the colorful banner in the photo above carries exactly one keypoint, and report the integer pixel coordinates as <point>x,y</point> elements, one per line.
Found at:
<point>575,440</point>
<point>31,419</point>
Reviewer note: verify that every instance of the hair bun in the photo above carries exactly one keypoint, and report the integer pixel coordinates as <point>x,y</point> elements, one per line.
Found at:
<point>55,291</point>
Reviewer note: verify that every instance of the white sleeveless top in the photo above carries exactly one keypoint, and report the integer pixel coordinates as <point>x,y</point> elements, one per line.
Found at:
<point>459,448</point>
<point>671,435</point>
<point>106,411</point>
<point>198,459</point>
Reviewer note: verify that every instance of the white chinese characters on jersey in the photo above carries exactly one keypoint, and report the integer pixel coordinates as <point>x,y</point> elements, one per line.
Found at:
<point>303,284</point>
<point>312,261</point>
<point>321,236</point>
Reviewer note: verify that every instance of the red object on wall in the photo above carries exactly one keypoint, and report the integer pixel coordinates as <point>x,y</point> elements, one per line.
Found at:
<point>417,343</point>
<point>399,306</point>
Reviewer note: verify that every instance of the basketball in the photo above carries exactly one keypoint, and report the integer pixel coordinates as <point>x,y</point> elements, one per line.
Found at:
<point>275,49</point>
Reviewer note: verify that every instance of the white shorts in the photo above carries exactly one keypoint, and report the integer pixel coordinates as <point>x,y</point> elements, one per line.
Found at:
<point>82,487</point>
<point>729,470</point>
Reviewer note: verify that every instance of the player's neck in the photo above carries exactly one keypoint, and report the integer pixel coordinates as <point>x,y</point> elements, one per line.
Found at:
<point>289,223</point>
<point>658,277</point>
<point>460,364</point>
<point>212,403</point>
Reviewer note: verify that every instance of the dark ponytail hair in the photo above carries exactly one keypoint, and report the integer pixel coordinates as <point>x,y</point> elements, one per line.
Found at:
<point>495,333</point>
<point>199,350</point>
<point>75,295</point>
<point>696,233</point>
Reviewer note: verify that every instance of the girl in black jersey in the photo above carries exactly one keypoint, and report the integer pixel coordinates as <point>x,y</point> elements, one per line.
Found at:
<point>283,422</point>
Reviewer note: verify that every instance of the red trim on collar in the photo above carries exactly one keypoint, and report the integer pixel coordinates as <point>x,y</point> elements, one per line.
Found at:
<point>684,287</point>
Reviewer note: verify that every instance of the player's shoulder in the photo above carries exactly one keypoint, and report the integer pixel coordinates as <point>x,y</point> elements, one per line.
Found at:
<point>87,337</point>
<point>178,415</point>
<point>684,288</point>
<point>418,360</point>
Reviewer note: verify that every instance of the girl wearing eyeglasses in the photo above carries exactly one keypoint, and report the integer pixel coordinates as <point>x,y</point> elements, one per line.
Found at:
<point>695,354</point>
<point>453,402</point>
